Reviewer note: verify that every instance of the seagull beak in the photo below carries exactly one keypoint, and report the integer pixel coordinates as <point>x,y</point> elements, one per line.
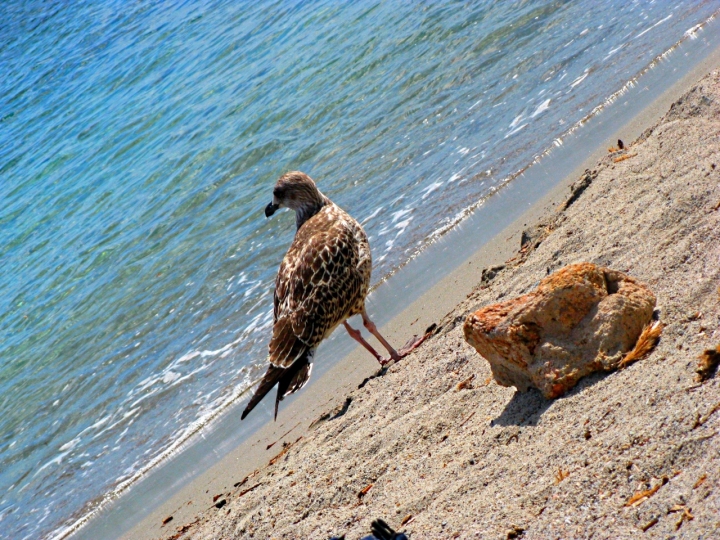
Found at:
<point>270,209</point>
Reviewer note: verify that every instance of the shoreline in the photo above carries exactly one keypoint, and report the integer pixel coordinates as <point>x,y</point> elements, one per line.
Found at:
<point>429,308</point>
<point>432,306</point>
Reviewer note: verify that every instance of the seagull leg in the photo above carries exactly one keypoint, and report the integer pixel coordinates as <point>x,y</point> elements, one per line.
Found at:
<point>357,336</point>
<point>394,355</point>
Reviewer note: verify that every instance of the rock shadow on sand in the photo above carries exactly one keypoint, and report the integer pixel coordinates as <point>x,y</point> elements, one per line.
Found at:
<point>526,408</point>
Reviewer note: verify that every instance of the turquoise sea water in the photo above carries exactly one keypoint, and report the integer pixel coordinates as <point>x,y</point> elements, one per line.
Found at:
<point>138,147</point>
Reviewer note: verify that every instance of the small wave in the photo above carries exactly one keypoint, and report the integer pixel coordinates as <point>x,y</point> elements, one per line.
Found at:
<point>55,461</point>
<point>653,26</point>
<point>432,187</point>
<point>401,213</point>
<point>219,406</point>
<point>692,33</point>
<point>402,225</point>
<point>70,445</point>
<point>613,51</point>
<point>371,216</point>
<point>478,102</point>
<point>579,80</point>
<point>514,131</point>
<point>451,223</point>
<point>544,106</point>
<point>516,121</point>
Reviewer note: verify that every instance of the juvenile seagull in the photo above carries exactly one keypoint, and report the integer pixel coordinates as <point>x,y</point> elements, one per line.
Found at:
<point>322,281</point>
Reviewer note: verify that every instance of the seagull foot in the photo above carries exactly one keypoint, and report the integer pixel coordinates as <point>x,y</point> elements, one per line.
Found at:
<point>412,344</point>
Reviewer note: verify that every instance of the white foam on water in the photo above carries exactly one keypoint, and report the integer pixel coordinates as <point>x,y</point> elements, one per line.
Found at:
<point>170,377</point>
<point>654,26</point>
<point>401,213</point>
<point>432,187</point>
<point>580,79</point>
<point>613,51</point>
<point>544,106</point>
<point>371,216</point>
<point>478,102</point>
<point>70,445</point>
<point>55,461</point>
<point>516,121</point>
<point>402,225</point>
<point>692,33</point>
<point>514,131</point>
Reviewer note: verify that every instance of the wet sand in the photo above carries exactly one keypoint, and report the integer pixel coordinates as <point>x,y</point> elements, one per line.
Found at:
<point>482,461</point>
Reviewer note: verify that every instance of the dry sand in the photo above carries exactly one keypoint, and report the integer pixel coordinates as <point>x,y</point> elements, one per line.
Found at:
<point>484,461</point>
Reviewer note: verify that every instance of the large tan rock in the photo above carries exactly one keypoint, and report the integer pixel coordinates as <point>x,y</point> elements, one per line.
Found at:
<point>581,319</point>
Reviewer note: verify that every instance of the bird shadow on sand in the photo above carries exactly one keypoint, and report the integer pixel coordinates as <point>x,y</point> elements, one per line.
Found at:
<point>526,408</point>
<point>333,414</point>
<point>380,373</point>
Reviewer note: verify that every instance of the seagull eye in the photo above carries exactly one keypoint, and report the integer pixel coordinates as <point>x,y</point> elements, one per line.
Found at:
<point>277,192</point>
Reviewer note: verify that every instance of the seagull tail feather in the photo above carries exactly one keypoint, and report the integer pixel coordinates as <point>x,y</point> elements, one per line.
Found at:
<point>294,377</point>
<point>289,380</point>
<point>272,376</point>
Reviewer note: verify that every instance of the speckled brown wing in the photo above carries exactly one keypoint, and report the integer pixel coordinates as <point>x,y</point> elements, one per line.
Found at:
<point>322,281</point>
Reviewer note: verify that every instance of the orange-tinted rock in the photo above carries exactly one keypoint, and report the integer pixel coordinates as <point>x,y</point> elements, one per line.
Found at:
<point>581,319</point>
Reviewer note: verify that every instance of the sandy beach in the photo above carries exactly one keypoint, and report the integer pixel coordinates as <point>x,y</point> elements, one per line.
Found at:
<point>441,459</point>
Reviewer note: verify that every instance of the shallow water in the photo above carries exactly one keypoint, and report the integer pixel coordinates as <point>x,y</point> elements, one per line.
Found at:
<point>138,147</point>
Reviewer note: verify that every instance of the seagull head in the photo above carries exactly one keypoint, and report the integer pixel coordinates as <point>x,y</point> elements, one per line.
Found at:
<point>297,191</point>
